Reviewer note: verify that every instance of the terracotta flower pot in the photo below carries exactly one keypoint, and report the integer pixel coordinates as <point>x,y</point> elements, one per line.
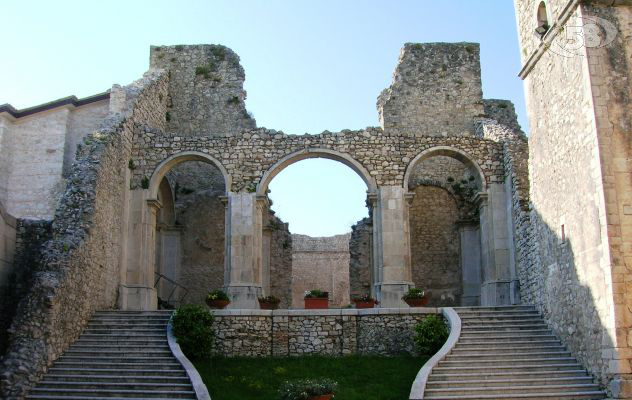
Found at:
<point>322,397</point>
<point>364,304</point>
<point>417,302</point>
<point>218,304</point>
<point>268,306</point>
<point>313,303</point>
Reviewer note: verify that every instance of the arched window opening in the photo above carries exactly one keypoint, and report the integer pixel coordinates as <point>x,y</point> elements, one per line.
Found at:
<point>309,235</point>
<point>190,230</point>
<point>444,230</point>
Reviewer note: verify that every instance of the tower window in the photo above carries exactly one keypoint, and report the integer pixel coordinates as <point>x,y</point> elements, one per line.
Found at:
<point>542,20</point>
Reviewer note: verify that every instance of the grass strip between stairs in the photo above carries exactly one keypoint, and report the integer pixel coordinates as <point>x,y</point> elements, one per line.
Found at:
<point>358,377</point>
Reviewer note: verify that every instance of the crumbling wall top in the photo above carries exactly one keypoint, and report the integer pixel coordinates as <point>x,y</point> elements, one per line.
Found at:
<point>436,90</point>
<point>206,89</point>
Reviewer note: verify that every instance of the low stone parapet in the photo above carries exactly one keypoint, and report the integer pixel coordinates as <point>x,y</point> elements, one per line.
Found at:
<point>334,332</point>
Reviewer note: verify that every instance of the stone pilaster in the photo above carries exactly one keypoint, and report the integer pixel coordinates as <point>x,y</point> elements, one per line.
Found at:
<point>391,238</point>
<point>243,260</point>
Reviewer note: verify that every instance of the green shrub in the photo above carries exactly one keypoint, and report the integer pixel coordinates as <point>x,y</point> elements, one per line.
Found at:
<point>306,388</point>
<point>193,329</point>
<point>430,334</point>
<point>414,293</point>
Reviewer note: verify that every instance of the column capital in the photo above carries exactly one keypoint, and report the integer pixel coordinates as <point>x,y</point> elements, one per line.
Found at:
<point>372,198</point>
<point>262,201</point>
<point>480,199</point>
<point>409,197</point>
<point>224,200</point>
<point>154,204</point>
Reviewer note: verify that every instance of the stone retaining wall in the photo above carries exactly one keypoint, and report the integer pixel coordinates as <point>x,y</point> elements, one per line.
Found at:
<point>333,332</point>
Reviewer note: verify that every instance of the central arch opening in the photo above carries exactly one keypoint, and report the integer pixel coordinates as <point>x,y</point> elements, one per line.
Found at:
<point>316,228</point>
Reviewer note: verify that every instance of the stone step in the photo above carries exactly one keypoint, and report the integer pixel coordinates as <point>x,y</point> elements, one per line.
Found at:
<point>517,307</point>
<point>508,356</point>
<point>501,328</point>
<point>499,367</point>
<point>122,337</point>
<point>510,382</point>
<point>541,361</point>
<point>130,325</point>
<point>122,312</point>
<point>115,378</point>
<point>480,376</point>
<point>119,347</point>
<point>125,331</point>
<point>494,315</point>
<point>119,365</point>
<point>504,333</point>
<point>504,338</point>
<point>74,397</point>
<point>115,386</point>
<point>177,372</point>
<point>593,395</point>
<point>133,341</point>
<point>116,360</point>
<point>501,322</point>
<point>114,353</point>
<point>175,394</point>
<point>507,390</point>
<point>467,350</point>
<point>505,344</point>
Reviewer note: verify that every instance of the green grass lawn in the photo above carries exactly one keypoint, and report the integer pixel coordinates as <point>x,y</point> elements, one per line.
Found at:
<point>358,377</point>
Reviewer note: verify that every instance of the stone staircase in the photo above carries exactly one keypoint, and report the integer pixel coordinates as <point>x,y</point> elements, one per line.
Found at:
<point>508,353</point>
<point>120,355</point>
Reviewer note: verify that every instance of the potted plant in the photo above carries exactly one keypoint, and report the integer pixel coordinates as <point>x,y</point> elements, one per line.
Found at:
<point>269,303</point>
<point>364,301</point>
<point>308,389</point>
<point>315,299</point>
<point>217,299</point>
<point>415,297</point>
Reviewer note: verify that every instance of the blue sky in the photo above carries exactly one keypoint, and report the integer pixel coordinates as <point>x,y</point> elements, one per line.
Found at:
<point>310,66</point>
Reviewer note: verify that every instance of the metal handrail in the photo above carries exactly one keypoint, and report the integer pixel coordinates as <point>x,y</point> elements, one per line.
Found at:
<point>175,284</point>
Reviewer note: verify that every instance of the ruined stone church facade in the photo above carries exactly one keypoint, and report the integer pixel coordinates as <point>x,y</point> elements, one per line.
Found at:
<point>161,187</point>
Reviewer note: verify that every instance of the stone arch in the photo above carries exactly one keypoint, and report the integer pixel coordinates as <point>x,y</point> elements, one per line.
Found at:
<point>178,158</point>
<point>447,151</point>
<point>290,159</point>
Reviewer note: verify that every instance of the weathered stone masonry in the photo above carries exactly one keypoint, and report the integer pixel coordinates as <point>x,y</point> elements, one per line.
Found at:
<point>82,263</point>
<point>574,260</point>
<point>190,107</point>
<point>261,333</point>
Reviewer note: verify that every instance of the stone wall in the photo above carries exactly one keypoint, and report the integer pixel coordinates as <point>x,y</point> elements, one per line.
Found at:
<point>280,259</point>
<point>360,263</point>
<point>206,89</point>
<point>575,268</point>
<point>25,261</point>
<point>248,155</point>
<point>200,217</point>
<point>36,152</point>
<point>81,267</point>
<point>321,263</point>
<point>436,90</point>
<point>434,245</point>
<point>339,332</point>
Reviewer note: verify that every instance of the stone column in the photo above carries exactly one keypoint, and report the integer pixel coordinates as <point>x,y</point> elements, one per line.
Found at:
<point>243,255</point>
<point>137,291</point>
<point>391,244</point>
<point>498,279</point>
<point>470,239</point>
